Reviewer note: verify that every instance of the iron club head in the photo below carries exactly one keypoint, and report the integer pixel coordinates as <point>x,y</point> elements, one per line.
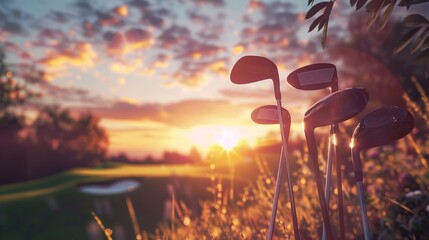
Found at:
<point>314,77</point>
<point>267,114</point>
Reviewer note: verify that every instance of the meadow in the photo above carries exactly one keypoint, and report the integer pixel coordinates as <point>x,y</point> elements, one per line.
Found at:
<point>195,201</point>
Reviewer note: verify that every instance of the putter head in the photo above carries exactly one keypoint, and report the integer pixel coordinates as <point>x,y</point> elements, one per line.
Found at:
<point>314,77</point>
<point>336,107</point>
<point>382,126</point>
<point>379,127</point>
<point>250,69</point>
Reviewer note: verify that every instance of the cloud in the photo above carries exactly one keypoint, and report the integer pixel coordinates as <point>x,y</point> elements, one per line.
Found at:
<point>53,93</point>
<point>81,54</point>
<point>84,8</point>
<point>118,44</point>
<point>216,3</point>
<point>126,67</point>
<point>60,17</point>
<point>181,114</point>
<point>192,72</point>
<point>106,19</point>
<point>121,10</point>
<point>279,22</point>
<point>173,37</point>
<point>248,94</point>
<point>198,18</point>
<point>150,15</point>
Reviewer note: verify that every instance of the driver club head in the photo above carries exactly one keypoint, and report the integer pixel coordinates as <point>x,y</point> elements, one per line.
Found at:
<point>314,77</point>
<point>379,127</point>
<point>250,69</point>
<point>336,107</point>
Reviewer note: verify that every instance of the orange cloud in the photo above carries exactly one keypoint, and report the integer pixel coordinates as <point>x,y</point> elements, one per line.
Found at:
<point>83,54</point>
<point>181,114</point>
<point>121,10</point>
<point>238,49</point>
<point>126,68</point>
<point>133,39</point>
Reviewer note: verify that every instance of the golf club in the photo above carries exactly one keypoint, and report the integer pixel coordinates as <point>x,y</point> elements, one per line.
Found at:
<point>250,69</point>
<point>379,127</point>
<point>332,109</point>
<point>268,115</point>
<point>315,77</point>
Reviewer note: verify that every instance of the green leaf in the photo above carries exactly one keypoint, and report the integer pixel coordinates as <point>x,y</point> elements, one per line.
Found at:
<point>422,38</point>
<point>386,16</point>
<point>316,22</point>
<point>423,56</point>
<point>372,18</point>
<point>324,34</point>
<point>375,5</point>
<point>400,205</point>
<point>406,39</point>
<point>427,70</point>
<point>408,3</point>
<point>360,4</point>
<point>426,43</point>
<point>315,9</point>
<point>415,20</point>
<point>328,9</point>
<point>322,23</point>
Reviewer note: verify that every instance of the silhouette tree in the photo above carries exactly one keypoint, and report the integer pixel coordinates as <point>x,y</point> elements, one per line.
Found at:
<point>62,141</point>
<point>379,13</point>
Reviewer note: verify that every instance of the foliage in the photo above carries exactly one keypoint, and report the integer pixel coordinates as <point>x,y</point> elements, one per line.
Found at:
<point>379,13</point>
<point>55,141</point>
<point>76,139</point>
<point>12,93</point>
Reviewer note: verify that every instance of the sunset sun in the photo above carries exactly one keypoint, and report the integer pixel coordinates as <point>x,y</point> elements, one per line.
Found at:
<point>228,139</point>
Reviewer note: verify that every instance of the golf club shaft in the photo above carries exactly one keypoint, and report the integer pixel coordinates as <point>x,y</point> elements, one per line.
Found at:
<point>363,211</point>
<point>276,196</point>
<point>328,174</point>
<point>312,149</point>
<point>338,164</point>
<point>288,175</point>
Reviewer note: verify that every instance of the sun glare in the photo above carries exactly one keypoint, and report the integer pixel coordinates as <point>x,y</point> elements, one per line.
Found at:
<point>228,139</point>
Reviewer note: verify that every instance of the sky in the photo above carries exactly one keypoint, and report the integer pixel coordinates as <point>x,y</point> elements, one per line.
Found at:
<point>157,72</point>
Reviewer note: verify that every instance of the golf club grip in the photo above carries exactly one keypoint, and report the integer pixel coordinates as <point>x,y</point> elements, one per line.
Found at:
<point>312,150</point>
<point>357,166</point>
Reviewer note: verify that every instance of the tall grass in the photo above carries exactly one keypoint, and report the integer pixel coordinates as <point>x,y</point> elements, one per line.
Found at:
<point>396,184</point>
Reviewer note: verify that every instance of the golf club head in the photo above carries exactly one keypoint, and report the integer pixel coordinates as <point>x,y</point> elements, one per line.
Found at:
<point>336,107</point>
<point>380,127</point>
<point>314,77</point>
<point>267,114</point>
<point>249,69</point>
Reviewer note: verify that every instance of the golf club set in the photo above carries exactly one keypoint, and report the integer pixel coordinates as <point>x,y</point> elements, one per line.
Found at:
<point>379,127</point>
